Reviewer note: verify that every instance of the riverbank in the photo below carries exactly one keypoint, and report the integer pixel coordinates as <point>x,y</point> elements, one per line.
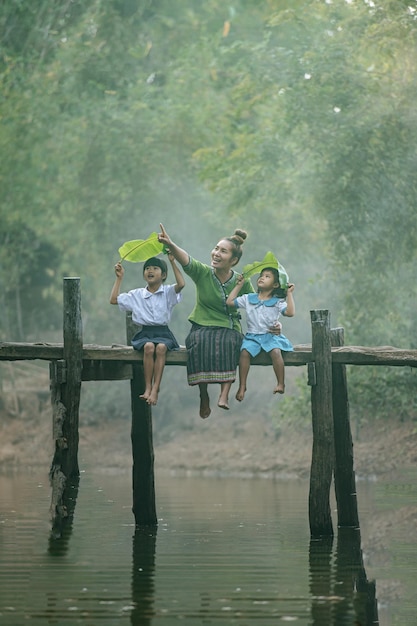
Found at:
<point>222,444</point>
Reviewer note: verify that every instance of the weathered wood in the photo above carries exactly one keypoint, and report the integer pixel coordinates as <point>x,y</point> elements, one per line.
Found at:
<point>322,462</point>
<point>302,355</point>
<point>344,473</point>
<point>71,389</point>
<point>383,355</point>
<point>65,380</point>
<point>106,370</point>
<point>143,479</point>
<point>57,479</point>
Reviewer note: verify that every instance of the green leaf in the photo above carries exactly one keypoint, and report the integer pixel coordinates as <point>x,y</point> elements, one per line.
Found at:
<point>139,250</point>
<point>269,260</point>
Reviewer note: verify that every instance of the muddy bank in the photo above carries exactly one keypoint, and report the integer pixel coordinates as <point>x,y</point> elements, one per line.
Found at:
<point>222,444</point>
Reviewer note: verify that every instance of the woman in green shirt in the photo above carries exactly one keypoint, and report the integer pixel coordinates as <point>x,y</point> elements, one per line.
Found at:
<point>213,343</point>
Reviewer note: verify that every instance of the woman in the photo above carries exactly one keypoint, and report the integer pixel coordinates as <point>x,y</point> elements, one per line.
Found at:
<point>213,343</point>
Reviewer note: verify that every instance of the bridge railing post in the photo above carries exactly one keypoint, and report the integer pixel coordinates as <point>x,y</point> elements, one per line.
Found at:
<point>143,479</point>
<point>344,474</point>
<point>322,462</point>
<point>65,381</point>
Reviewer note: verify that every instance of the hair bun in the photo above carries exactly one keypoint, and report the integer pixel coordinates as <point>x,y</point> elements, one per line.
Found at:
<point>239,236</point>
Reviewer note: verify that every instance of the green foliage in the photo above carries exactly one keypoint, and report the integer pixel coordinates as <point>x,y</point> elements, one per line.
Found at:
<point>295,408</point>
<point>141,249</point>
<point>269,260</point>
<point>368,397</point>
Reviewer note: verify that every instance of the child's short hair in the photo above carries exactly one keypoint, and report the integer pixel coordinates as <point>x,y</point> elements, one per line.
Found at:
<point>155,262</point>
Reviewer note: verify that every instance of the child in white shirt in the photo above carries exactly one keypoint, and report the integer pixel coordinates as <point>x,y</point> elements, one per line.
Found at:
<point>263,310</point>
<point>151,308</point>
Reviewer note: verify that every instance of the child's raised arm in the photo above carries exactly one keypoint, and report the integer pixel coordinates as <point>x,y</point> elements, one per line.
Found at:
<point>235,291</point>
<point>290,310</point>
<point>119,270</point>
<point>180,282</point>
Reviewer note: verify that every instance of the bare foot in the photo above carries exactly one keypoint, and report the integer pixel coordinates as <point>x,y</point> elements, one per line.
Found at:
<point>279,388</point>
<point>240,394</point>
<point>145,395</point>
<point>152,398</point>
<point>204,406</point>
<point>223,403</point>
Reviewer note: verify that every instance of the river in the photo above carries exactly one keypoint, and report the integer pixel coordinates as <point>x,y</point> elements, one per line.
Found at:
<point>226,551</point>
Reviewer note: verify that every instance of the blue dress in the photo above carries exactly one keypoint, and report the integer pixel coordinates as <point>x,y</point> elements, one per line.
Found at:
<point>261,315</point>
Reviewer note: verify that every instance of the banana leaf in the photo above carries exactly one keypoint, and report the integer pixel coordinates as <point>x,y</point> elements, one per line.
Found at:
<point>269,260</point>
<point>139,250</point>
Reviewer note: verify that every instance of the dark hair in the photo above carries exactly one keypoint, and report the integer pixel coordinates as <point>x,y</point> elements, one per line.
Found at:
<point>237,240</point>
<point>155,262</point>
<point>277,292</point>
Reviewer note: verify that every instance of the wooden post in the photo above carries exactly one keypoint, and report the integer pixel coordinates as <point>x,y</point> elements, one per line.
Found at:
<point>65,376</point>
<point>143,481</point>
<point>344,474</point>
<point>322,462</point>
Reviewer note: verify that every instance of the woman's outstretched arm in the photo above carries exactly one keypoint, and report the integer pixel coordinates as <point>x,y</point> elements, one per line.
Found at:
<point>178,253</point>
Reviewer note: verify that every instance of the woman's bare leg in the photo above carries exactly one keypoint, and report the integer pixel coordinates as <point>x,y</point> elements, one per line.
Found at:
<point>158,369</point>
<point>244,365</point>
<point>279,369</point>
<point>148,366</point>
<point>223,401</point>
<point>204,401</point>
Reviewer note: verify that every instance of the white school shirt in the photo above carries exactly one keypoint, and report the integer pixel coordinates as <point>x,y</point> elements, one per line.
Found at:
<point>150,309</point>
<point>260,314</point>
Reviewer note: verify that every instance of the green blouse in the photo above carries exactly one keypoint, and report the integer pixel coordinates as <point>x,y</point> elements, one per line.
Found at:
<point>210,308</point>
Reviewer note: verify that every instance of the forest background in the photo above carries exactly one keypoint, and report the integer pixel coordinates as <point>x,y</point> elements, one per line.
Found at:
<point>295,120</point>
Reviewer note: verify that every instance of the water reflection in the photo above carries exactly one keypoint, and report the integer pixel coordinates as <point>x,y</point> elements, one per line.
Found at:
<point>352,578</point>
<point>340,590</point>
<point>143,576</point>
<point>62,524</point>
<point>227,551</point>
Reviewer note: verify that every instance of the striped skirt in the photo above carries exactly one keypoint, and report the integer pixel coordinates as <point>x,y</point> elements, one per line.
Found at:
<point>155,334</point>
<point>212,354</point>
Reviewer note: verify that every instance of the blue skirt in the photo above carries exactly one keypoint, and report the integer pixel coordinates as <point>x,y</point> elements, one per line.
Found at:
<point>155,334</point>
<point>266,342</point>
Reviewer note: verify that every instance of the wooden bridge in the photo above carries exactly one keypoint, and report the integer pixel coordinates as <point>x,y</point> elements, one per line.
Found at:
<point>72,362</point>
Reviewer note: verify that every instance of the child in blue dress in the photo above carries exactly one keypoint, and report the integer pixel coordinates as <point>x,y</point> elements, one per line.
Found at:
<point>263,310</point>
<point>151,308</point>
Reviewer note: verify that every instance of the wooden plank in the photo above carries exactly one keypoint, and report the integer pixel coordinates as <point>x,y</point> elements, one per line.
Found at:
<point>10,351</point>
<point>106,370</point>
<point>348,355</point>
<point>383,355</point>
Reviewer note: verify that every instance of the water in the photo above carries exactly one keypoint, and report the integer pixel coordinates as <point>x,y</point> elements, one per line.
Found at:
<point>226,551</point>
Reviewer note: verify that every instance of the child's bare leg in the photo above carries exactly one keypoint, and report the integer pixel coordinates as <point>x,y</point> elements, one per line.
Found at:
<point>279,369</point>
<point>148,365</point>
<point>244,365</point>
<point>204,401</point>
<point>159,364</point>
<point>223,401</point>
